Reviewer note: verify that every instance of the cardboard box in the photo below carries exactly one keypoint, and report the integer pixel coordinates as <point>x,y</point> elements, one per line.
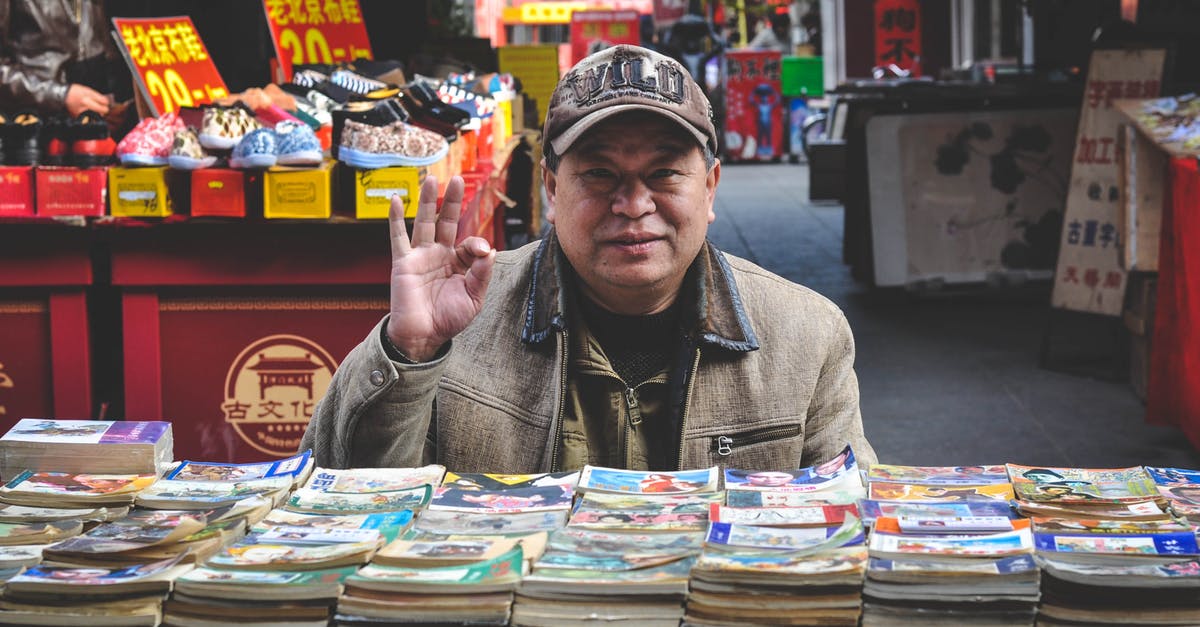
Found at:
<point>139,192</point>
<point>16,191</point>
<point>218,192</point>
<point>63,191</point>
<point>373,190</point>
<point>304,193</point>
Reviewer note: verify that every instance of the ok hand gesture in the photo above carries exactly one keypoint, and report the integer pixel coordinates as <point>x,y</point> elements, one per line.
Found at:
<point>437,287</point>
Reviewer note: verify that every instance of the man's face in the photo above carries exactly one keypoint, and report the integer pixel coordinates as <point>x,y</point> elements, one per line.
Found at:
<point>770,478</point>
<point>631,203</point>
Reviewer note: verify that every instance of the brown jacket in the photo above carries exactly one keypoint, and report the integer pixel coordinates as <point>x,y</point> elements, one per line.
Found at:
<point>772,384</point>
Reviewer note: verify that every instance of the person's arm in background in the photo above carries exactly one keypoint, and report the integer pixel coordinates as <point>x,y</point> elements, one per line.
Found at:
<point>22,89</point>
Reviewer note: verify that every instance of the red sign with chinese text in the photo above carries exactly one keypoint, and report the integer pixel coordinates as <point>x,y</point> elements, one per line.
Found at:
<point>592,31</point>
<point>316,31</point>
<point>170,62</point>
<point>898,34</point>
<point>753,105</point>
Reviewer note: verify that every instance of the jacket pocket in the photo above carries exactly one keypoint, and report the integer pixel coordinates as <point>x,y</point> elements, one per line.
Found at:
<point>737,449</point>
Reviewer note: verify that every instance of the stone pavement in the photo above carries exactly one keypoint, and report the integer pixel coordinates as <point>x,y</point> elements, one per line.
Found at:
<point>946,379</point>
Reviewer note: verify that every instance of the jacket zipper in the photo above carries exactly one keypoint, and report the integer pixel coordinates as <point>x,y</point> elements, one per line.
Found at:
<point>723,445</point>
<point>687,403</point>
<point>562,402</point>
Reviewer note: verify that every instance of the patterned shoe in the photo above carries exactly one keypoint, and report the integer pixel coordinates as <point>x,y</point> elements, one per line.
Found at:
<point>298,145</point>
<point>258,149</point>
<point>224,127</point>
<point>370,147</point>
<point>149,143</point>
<point>187,154</point>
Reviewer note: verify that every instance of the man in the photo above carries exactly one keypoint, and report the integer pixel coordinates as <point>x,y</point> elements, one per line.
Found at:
<point>622,339</point>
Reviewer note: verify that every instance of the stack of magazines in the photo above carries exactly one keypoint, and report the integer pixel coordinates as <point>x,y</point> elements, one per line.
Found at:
<point>947,549</point>
<point>1181,488</point>
<point>464,563</point>
<point>786,549</point>
<point>1089,493</point>
<point>86,446</point>
<point>627,550</point>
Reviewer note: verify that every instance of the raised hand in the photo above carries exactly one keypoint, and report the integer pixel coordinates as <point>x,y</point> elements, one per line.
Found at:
<point>437,288</point>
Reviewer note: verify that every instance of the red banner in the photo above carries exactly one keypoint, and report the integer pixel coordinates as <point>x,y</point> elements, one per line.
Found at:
<point>753,105</point>
<point>898,34</point>
<point>170,62</point>
<point>592,31</point>
<point>316,32</point>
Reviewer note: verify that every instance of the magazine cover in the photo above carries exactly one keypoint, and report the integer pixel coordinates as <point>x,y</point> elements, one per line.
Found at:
<point>814,516</point>
<point>638,521</point>
<point>1185,493</point>
<point>606,562</point>
<point>1106,527</point>
<point>93,576</point>
<point>509,500</point>
<point>1100,485</point>
<point>320,502</point>
<point>1154,569</point>
<point>38,532</point>
<point>264,578</point>
<point>249,554</point>
<point>591,541</point>
<point>420,553</point>
<point>86,431</point>
<point>1173,476</point>
<point>1003,566</point>
<point>993,545</point>
<point>639,482</point>
<point>194,493</point>
<point>1151,544</point>
<point>489,481</point>
<point>21,513</point>
<point>464,523</point>
<point>75,484</point>
<point>674,571</point>
<point>953,524</point>
<point>838,473</point>
<point>759,498</point>
<point>505,568</point>
<point>752,537</point>
<point>888,491</point>
<point>367,480</point>
<point>389,524</point>
<point>939,475</point>
<point>315,535</point>
<point>648,503</point>
<point>849,559</point>
<point>872,509</point>
<point>212,471</point>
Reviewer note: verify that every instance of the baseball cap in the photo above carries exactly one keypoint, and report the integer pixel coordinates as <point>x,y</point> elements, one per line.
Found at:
<point>626,78</point>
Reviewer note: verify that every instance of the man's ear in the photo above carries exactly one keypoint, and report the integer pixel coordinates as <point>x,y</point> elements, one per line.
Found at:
<point>710,189</point>
<point>550,182</point>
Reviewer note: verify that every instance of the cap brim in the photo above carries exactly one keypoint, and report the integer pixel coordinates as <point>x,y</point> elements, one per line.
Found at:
<point>564,141</point>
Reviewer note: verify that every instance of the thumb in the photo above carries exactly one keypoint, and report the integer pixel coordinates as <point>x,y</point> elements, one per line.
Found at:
<point>479,275</point>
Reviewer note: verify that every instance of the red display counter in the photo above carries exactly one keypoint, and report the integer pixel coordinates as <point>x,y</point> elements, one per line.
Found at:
<point>45,370</point>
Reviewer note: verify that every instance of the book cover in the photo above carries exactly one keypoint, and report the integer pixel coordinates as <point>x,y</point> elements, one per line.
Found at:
<point>509,500</point>
<point>389,524</point>
<point>1185,493</point>
<point>322,502</point>
<point>953,524</point>
<point>491,481</point>
<point>434,521</point>
<point>837,473</point>
<point>90,576</point>
<point>674,572</point>
<point>760,498</point>
<point>38,532</point>
<point>314,535</point>
<point>992,545</point>
<point>605,562</point>
<point>504,570</point>
<point>939,475</point>
<point>888,491</point>
<point>872,509</point>
<point>370,480</point>
<point>1003,566</point>
<point>211,576</point>
<point>638,521</point>
<point>250,554</point>
<point>646,482</point>
<point>850,559</point>
<point>1102,485</point>
<point>1173,476</point>
<point>695,503</point>
<point>21,513</point>
<point>812,516</point>
<point>1106,527</point>
<point>47,431</point>
<point>1149,544</point>
<point>75,484</point>
<point>214,471</point>
<point>752,537</point>
<point>419,553</point>
<point>591,541</point>
<point>208,493</point>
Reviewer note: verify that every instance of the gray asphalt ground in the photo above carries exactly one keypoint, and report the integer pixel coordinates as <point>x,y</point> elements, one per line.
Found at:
<point>945,378</point>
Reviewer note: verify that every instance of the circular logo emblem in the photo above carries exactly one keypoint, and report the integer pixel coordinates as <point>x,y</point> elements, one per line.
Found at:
<point>271,390</point>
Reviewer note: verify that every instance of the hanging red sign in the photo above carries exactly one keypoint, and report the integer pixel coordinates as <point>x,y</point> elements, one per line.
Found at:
<point>592,31</point>
<point>898,34</point>
<point>172,67</point>
<point>316,32</point>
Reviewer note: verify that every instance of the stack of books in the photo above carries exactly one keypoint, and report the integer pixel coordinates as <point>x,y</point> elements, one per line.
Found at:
<point>99,447</point>
<point>627,550</point>
<point>792,556</point>
<point>66,595</point>
<point>465,566</point>
<point>946,548</point>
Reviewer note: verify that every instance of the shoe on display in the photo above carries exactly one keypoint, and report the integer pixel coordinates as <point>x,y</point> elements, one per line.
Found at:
<point>396,144</point>
<point>21,134</point>
<point>223,127</point>
<point>55,141</point>
<point>362,86</point>
<point>187,153</point>
<point>297,144</point>
<point>258,149</point>
<point>91,145</point>
<point>149,143</point>
<point>371,113</point>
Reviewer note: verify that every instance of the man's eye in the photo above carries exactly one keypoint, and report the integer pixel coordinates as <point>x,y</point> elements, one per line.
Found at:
<point>597,173</point>
<point>665,173</point>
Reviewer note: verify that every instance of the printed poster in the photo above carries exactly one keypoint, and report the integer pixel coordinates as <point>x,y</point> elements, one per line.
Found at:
<point>1089,277</point>
<point>754,117</point>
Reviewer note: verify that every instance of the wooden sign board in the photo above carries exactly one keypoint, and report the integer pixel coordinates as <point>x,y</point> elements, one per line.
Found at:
<point>1089,277</point>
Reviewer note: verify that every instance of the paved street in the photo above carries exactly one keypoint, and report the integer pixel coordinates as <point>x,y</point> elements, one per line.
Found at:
<point>946,379</point>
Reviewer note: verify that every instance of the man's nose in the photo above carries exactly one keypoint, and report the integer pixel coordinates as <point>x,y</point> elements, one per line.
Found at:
<point>633,198</point>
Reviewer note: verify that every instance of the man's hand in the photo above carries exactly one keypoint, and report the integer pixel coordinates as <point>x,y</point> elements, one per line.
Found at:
<point>81,98</point>
<point>437,288</point>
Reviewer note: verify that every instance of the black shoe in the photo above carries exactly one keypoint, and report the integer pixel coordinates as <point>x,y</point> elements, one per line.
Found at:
<point>55,141</point>
<point>427,104</point>
<point>91,144</point>
<point>21,139</point>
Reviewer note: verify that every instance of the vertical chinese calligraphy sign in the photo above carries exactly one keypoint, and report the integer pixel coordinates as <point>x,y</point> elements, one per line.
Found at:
<point>592,31</point>
<point>171,66</point>
<point>1089,276</point>
<point>898,34</point>
<point>753,105</point>
<point>316,31</point>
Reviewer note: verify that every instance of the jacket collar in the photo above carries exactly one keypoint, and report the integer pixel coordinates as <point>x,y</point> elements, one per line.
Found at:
<point>721,319</point>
